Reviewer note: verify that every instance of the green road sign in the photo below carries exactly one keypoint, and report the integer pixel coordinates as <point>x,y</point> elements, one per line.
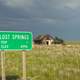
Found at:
<point>15,40</point>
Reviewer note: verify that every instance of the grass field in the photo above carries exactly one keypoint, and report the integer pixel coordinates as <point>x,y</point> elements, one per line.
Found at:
<point>55,62</point>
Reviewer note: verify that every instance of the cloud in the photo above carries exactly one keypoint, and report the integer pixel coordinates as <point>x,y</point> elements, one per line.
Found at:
<point>72,3</point>
<point>17,3</point>
<point>25,4</point>
<point>48,10</point>
<point>53,16</point>
<point>46,3</point>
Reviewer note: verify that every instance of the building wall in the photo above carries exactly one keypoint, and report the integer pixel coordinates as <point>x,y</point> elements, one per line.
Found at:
<point>47,42</point>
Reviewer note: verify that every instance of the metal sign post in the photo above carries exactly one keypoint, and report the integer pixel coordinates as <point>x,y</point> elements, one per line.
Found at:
<point>15,40</point>
<point>24,65</point>
<point>3,64</point>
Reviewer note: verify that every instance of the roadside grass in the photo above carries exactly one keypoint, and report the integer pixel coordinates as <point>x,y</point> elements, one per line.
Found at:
<point>55,62</point>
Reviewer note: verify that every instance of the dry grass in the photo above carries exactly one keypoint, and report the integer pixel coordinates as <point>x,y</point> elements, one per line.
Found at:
<point>55,62</point>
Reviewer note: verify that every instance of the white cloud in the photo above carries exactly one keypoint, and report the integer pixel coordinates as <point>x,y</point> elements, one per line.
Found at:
<point>28,3</point>
<point>72,3</point>
<point>18,3</point>
<point>44,3</point>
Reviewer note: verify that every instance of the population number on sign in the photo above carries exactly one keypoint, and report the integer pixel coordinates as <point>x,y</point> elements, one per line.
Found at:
<point>15,40</point>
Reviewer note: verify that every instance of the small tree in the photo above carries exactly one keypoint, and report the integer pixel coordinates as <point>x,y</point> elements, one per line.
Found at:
<point>58,41</point>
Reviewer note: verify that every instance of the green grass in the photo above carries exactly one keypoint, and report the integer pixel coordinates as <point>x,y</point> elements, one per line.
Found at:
<point>72,42</point>
<point>54,62</point>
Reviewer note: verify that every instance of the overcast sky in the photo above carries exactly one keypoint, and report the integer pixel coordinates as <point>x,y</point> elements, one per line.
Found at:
<point>56,17</point>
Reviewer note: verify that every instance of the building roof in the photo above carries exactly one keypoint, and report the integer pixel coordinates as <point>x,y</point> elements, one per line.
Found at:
<point>44,37</point>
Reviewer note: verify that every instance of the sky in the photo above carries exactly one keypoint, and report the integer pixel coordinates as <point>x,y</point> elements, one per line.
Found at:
<point>56,17</point>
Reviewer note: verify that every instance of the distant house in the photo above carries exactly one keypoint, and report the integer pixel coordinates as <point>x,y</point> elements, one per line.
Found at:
<point>47,40</point>
<point>44,39</point>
